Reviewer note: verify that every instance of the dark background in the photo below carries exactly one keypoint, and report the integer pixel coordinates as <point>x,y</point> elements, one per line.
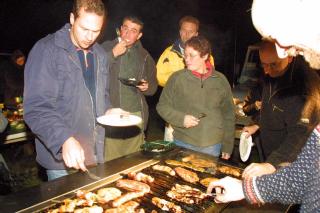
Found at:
<point>226,23</point>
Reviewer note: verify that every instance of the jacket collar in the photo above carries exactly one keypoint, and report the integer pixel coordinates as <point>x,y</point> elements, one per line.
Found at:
<point>176,47</point>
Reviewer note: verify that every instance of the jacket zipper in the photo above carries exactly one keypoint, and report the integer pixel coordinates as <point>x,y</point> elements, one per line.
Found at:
<point>94,121</point>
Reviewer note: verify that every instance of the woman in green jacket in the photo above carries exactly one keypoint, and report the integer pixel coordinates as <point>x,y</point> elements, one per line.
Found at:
<point>197,101</point>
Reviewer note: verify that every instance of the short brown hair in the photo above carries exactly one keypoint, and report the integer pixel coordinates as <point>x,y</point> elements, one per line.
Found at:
<point>93,6</point>
<point>190,19</point>
<point>200,44</point>
<point>135,20</point>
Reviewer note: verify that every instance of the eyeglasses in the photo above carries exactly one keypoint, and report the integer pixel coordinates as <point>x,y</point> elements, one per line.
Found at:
<point>191,56</point>
<point>273,65</point>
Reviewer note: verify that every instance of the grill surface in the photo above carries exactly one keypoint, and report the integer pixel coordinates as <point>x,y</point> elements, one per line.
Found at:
<point>163,183</point>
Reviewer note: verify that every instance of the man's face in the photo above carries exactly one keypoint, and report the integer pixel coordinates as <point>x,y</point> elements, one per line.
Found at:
<point>272,64</point>
<point>85,29</point>
<point>293,25</point>
<point>187,31</point>
<point>130,32</point>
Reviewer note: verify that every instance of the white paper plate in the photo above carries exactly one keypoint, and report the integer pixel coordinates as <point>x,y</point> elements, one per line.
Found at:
<point>119,120</point>
<point>245,146</point>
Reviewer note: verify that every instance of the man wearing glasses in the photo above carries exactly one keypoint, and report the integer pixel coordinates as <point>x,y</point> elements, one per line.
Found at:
<point>283,131</point>
<point>129,61</point>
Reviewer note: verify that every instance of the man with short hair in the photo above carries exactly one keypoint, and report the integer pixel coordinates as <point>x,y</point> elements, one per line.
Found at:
<point>293,26</point>
<point>171,60</point>
<point>66,88</point>
<point>129,61</point>
<point>283,130</point>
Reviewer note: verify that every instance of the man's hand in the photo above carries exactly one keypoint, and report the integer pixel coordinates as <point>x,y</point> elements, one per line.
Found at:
<point>227,189</point>
<point>143,86</point>
<point>73,154</point>
<point>250,130</point>
<point>225,156</point>
<point>117,111</point>
<point>190,121</point>
<point>258,169</point>
<point>120,48</point>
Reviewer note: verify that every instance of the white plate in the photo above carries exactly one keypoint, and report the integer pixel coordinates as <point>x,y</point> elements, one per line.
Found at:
<point>119,120</point>
<point>245,146</point>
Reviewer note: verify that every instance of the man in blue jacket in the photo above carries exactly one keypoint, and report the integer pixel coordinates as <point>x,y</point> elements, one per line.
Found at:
<point>66,88</point>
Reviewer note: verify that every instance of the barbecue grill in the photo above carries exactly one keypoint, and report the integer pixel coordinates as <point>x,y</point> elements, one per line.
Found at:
<point>61,188</point>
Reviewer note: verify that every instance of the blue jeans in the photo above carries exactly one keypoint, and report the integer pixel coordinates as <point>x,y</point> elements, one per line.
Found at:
<point>54,174</point>
<point>213,150</point>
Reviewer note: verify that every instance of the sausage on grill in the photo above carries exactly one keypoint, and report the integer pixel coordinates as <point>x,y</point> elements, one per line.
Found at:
<point>166,169</point>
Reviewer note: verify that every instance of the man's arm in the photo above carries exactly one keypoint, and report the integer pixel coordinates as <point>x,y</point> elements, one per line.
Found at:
<point>40,100</point>
<point>151,79</point>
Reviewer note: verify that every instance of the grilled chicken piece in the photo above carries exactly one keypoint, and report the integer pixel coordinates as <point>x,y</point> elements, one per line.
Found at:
<point>107,194</point>
<point>186,194</point>
<point>83,194</point>
<point>140,177</point>
<point>133,185</point>
<point>166,169</point>
<point>206,181</point>
<point>166,205</point>
<point>183,164</point>
<point>92,209</point>
<point>187,175</point>
<point>230,171</point>
<point>188,158</point>
<point>128,207</point>
<point>203,163</point>
<point>126,197</point>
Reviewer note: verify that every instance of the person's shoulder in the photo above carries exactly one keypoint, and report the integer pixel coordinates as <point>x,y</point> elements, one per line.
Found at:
<point>219,74</point>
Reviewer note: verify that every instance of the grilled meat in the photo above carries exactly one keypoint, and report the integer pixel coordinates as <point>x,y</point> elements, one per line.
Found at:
<point>89,196</point>
<point>188,158</point>
<point>166,205</point>
<point>140,177</point>
<point>92,209</point>
<point>107,194</point>
<point>166,169</point>
<point>126,197</point>
<point>183,164</point>
<point>186,194</point>
<point>128,207</point>
<point>187,175</point>
<point>203,163</point>
<point>206,181</point>
<point>229,171</point>
<point>133,185</point>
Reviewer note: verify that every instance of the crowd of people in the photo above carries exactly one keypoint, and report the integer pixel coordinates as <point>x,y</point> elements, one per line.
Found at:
<point>70,80</point>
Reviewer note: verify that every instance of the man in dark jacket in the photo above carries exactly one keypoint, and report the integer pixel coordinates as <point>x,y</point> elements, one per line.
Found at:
<point>283,131</point>
<point>129,60</point>
<point>66,88</point>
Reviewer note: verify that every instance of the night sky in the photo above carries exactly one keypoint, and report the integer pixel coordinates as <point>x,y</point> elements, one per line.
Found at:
<point>226,23</point>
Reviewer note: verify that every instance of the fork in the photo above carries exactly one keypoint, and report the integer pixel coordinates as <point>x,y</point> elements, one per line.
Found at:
<point>202,115</point>
<point>92,176</point>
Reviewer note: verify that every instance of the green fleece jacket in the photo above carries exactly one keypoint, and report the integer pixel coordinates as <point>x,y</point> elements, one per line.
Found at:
<point>185,94</point>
